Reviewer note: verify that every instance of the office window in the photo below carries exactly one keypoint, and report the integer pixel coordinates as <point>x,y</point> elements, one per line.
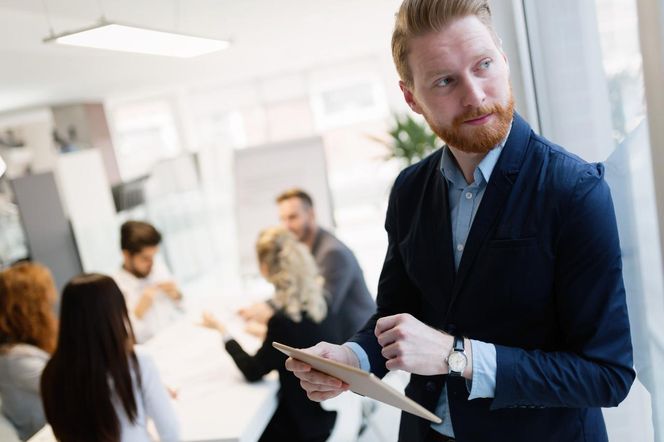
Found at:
<point>144,132</point>
<point>346,100</point>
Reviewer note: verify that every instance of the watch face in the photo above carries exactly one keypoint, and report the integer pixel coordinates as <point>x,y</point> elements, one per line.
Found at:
<point>457,361</point>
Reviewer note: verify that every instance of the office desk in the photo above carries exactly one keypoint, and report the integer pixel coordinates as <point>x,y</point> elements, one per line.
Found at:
<point>214,401</point>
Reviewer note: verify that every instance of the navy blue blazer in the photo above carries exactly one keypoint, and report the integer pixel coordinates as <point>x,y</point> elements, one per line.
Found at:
<point>540,277</point>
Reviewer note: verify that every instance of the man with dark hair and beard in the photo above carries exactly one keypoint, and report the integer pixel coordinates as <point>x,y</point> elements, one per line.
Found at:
<point>350,304</point>
<point>501,291</point>
<point>153,298</point>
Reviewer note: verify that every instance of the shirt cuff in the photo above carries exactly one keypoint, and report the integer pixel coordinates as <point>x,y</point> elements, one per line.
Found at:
<point>484,370</point>
<point>361,355</point>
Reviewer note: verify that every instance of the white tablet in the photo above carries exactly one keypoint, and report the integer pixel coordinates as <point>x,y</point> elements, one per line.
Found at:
<point>360,382</point>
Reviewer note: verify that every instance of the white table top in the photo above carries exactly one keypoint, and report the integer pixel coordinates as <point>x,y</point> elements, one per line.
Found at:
<point>214,402</point>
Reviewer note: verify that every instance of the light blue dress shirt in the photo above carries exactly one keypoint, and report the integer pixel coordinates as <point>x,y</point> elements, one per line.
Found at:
<point>464,200</point>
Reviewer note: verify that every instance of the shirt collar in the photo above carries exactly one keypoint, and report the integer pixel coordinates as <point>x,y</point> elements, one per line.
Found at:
<point>451,172</point>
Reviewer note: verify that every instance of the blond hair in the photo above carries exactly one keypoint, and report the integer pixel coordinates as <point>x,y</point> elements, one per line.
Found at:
<point>418,17</point>
<point>294,274</point>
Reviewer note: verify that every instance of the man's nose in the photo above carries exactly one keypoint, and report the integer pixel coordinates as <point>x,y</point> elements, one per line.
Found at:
<point>473,93</point>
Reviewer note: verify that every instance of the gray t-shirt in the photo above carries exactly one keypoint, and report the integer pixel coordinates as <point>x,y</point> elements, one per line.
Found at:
<point>21,367</point>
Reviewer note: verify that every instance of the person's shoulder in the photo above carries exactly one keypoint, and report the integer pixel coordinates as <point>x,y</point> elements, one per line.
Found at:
<point>280,326</point>
<point>415,173</point>
<point>279,319</point>
<point>332,249</point>
<point>25,352</point>
<point>146,362</point>
<point>564,169</point>
<point>121,276</point>
<point>22,360</point>
<point>329,241</point>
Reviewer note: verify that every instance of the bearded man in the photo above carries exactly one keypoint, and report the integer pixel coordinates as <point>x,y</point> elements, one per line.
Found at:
<point>501,291</point>
<point>154,301</point>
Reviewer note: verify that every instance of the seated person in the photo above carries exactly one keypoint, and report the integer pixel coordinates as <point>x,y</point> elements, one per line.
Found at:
<point>28,333</point>
<point>299,321</point>
<point>346,292</point>
<point>97,387</point>
<point>153,298</point>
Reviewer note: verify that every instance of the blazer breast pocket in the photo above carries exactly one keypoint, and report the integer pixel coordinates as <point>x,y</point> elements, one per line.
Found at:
<point>520,275</point>
<point>509,243</point>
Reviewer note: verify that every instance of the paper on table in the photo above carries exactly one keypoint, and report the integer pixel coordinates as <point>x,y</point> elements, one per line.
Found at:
<point>360,382</point>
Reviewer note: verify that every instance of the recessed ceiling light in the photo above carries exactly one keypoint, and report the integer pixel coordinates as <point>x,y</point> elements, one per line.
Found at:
<point>127,38</point>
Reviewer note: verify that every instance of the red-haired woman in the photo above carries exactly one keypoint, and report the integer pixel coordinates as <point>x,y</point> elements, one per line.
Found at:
<point>27,338</point>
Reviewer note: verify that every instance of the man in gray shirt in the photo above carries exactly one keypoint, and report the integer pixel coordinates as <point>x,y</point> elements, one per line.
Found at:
<point>350,303</point>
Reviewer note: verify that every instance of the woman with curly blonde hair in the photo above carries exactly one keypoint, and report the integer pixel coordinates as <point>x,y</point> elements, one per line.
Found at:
<point>28,334</point>
<point>299,321</point>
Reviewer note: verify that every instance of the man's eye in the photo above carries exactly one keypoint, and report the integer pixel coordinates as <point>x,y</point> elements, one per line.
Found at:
<point>485,64</point>
<point>444,82</point>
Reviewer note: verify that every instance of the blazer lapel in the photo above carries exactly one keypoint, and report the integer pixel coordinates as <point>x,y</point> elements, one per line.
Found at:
<point>499,187</point>
<point>428,248</point>
<point>444,251</point>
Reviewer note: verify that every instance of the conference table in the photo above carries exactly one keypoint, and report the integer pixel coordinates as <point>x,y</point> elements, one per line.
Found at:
<point>214,402</point>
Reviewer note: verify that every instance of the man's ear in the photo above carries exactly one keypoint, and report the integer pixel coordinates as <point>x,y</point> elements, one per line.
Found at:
<point>409,97</point>
<point>312,214</point>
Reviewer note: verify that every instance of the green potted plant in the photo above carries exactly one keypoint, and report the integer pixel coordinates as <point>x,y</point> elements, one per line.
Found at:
<point>410,139</point>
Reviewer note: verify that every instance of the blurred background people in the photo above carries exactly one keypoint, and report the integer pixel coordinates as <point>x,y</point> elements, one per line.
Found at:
<point>299,319</point>
<point>349,301</point>
<point>153,298</point>
<point>97,386</point>
<point>28,333</point>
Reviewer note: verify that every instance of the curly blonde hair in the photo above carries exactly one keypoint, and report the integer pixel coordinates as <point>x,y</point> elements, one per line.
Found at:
<point>294,274</point>
<point>27,296</point>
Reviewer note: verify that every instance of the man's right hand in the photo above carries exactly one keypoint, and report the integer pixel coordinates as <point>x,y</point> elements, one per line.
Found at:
<point>146,301</point>
<point>320,386</point>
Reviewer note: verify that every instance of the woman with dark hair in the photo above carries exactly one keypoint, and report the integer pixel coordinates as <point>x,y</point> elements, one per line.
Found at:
<point>299,321</point>
<point>96,387</point>
<point>28,330</point>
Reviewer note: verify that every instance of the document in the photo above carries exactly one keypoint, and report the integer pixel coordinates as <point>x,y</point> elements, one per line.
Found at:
<point>360,382</point>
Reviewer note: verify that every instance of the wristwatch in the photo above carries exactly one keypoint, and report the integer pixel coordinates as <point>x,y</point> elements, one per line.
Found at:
<point>457,360</point>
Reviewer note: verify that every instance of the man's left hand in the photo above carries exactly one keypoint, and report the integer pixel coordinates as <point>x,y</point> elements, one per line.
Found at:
<point>412,346</point>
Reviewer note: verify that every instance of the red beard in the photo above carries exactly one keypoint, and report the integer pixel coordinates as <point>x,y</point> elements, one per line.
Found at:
<point>477,139</point>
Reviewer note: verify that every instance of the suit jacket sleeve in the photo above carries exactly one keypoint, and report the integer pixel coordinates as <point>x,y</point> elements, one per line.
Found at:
<point>396,294</point>
<point>266,359</point>
<point>595,367</point>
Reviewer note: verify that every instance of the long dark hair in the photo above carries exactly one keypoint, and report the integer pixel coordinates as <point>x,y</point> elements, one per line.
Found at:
<point>95,350</point>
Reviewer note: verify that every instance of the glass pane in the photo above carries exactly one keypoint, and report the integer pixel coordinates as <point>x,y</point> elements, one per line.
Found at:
<point>629,170</point>
<point>588,74</point>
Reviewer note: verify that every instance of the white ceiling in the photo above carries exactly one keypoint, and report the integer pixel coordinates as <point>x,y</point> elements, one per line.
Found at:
<point>269,37</point>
